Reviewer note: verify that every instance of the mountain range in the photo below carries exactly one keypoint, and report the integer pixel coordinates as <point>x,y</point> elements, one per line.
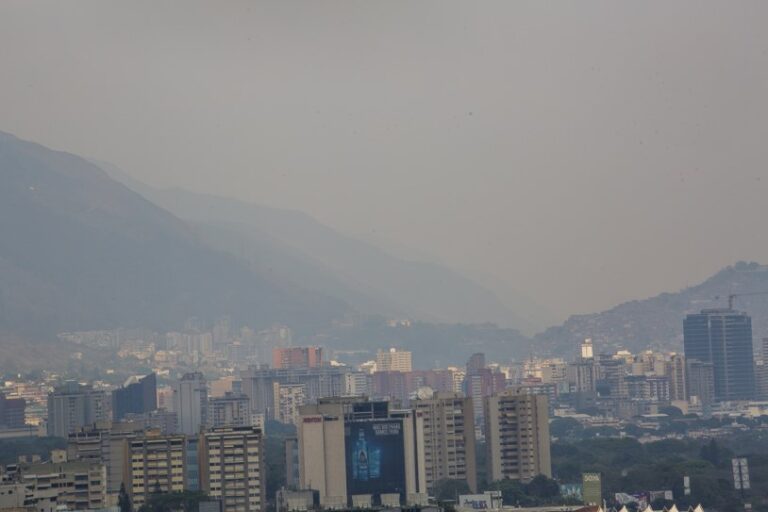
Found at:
<point>78,250</point>
<point>294,247</point>
<point>657,322</point>
<point>83,246</point>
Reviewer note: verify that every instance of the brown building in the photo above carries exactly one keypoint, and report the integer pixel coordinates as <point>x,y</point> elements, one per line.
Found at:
<point>297,357</point>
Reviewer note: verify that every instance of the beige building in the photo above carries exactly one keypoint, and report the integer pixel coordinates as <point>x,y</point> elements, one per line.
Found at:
<point>157,463</point>
<point>342,438</point>
<point>517,435</point>
<point>393,360</point>
<point>232,468</point>
<point>676,374</point>
<point>107,444</point>
<point>449,438</point>
<point>73,485</point>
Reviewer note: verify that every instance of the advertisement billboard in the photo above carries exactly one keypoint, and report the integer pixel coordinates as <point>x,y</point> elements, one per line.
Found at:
<point>375,457</point>
<point>490,500</point>
<point>572,491</point>
<point>592,489</point>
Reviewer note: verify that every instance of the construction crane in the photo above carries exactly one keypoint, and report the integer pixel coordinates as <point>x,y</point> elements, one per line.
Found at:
<point>732,296</point>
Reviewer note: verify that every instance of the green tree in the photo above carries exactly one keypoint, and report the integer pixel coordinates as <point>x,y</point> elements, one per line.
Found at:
<point>123,500</point>
<point>711,452</point>
<point>512,492</point>
<point>186,501</point>
<point>542,487</point>
<point>449,489</point>
<point>565,428</point>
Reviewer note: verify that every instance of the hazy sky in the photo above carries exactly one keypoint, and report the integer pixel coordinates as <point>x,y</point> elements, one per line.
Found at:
<point>581,153</point>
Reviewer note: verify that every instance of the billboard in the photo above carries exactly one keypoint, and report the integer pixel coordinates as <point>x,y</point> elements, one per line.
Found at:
<point>375,456</point>
<point>475,501</point>
<point>592,489</point>
<point>660,495</point>
<point>572,491</point>
<point>490,500</point>
<point>641,499</point>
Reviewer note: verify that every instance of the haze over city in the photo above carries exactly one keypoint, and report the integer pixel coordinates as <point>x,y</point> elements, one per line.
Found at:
<point>332,256</point>
<point>568,157</point>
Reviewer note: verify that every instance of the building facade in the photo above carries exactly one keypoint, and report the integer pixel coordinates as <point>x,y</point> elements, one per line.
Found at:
<point>297,357</point>
<point>517,435</point>
<point>449,438</point>
<point>393,360</point>
<point>232,468</point>
<point>157,464</point>
<point>12,412</point>
<point>288,399</point>
<point>676,371</point>
<point>700,381</point>
<point>69,485</point>
<point>74,406</point>
<point>137,396</point>
<point>230,410</point>
<point>190,403</point>
<point>258,383</point>
<point>723,337</point>
<point>353,450</point>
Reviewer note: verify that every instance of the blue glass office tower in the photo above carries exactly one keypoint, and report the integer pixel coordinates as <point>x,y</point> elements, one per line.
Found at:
<point>723,337</point>
<point>137,396</point>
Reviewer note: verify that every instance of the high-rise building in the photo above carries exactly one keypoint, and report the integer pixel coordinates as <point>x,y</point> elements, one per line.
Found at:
<point>761,372</point>
<point>517,435</point>
<point>190,403</point>
<point>475,362</point>
<point>723,337</point>
<point>352,449</point>
<point>587,350</point>
<point>449,438</point>
<point>73,406</point>
<point>700,381</point>
<point>297,357</point>
<point>480,382</point>
<point>12,412</point>
<point>389,386</point>
<point>138,395</point>
<point>582,376</point>
<point>157,465</point>
<point>612,372</point>
<point>107,445</point>
<point>358,384</point>
<point>258,384</point>
<point>647,387</point>
<point>288,399</point>
<point>393,360</point>
<point>230,410</point>
<point>232,468</point>
<point>677,379</point>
